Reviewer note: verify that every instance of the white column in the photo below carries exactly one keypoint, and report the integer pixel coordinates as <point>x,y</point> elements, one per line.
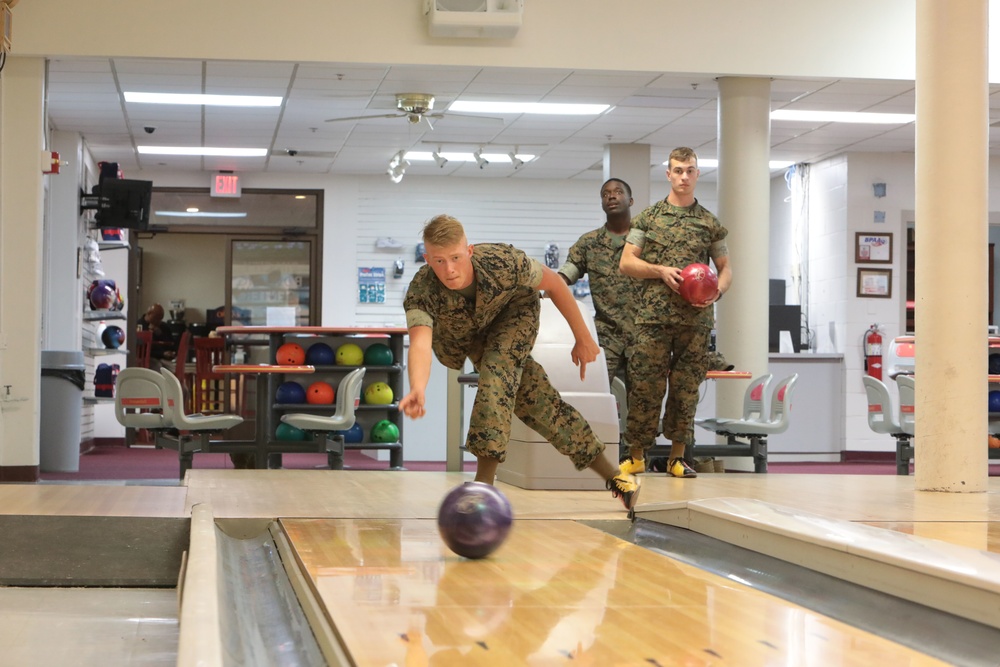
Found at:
<point>744,209</point>
<point>630,162</point>
<point>951,227</point>
<point>22,88</point>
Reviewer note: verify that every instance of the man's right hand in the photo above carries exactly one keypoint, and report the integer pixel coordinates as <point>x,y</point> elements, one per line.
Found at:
<point>412,404</point>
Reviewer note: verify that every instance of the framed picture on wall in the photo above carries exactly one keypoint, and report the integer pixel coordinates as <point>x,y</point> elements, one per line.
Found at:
<point>876,283</point>
<point>871,248</point>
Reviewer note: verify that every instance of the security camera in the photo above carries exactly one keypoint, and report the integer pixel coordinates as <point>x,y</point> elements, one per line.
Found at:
<point>149,129</point>
<point>291,151</point>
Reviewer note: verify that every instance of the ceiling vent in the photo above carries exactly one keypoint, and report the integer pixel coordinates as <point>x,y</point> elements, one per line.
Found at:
<point>495,19</point>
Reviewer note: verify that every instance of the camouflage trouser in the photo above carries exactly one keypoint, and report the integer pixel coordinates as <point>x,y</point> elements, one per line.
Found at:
<point>512,383</point>
<point>669,359</point>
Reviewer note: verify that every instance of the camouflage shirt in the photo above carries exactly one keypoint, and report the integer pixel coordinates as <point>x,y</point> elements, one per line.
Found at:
<point>615,295</point>
<point>506,279</point>
<point>671,235</point>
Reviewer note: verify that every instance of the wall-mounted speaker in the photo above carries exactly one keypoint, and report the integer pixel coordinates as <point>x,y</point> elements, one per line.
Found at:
<point>493,19</point>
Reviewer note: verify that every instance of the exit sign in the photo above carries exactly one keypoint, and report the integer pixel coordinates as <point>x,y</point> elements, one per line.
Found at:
<point>226,185</point>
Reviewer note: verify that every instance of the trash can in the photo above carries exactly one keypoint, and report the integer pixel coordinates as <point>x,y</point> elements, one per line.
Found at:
<point>61,410</point>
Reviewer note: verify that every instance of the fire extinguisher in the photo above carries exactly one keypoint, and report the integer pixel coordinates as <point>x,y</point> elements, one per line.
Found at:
<point>873,352</point>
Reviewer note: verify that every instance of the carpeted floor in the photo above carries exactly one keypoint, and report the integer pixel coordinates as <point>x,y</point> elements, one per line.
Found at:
<point>143,463</point>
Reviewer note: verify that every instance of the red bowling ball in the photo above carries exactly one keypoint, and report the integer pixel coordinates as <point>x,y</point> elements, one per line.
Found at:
<point>699,283</point>
<point>474,519</point>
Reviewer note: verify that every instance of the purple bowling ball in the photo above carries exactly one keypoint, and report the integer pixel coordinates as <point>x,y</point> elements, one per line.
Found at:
<point>474,519</point>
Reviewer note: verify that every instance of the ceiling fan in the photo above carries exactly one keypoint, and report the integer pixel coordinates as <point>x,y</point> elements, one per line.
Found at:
<point>416,107</point>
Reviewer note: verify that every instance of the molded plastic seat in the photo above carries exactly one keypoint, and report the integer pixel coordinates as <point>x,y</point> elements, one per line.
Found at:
<point>140,399</point>
<point>197,422</point>
<point>907,401</point>
<point>753,405</point>
<point>343,418</point>
<point>882,420</point>
<point>781,405</point>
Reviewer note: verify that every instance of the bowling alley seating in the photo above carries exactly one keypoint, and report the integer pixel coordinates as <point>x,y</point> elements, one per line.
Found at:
<point>153,400</point>
<point>329,427</point>
<point>882,420</point>
<point>533,463</point>
<point>143,348</point>
<point>753,405</point>
<point>748,437</point>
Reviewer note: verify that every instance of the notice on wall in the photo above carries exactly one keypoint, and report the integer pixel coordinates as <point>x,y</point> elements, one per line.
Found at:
<point>371,284</point>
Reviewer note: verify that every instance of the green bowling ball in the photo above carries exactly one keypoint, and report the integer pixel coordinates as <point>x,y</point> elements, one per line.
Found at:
<point>289,433</point>
<point>378,354</point>
<point>384,431</point>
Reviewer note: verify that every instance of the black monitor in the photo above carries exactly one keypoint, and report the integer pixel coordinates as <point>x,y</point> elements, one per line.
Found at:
<point>123,203</point>
<point>784,318</point>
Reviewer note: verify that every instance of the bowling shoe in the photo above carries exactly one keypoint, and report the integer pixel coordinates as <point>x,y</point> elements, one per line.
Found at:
<point>631,466</point>
<point>680,468</point>
<point>626,488</point>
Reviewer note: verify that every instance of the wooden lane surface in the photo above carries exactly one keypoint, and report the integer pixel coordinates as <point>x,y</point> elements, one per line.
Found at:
<point>392,494</point>
<point>93,500</point>
<point>981,535</point>
<point>556,592</point>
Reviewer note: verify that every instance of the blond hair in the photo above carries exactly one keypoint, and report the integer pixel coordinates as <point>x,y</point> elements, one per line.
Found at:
<point>443,231</point>
<point>682,154</point>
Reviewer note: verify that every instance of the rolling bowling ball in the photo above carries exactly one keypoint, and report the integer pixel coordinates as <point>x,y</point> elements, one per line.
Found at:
<point>378,393</point>
<point>319,393</point>
<point>290,392</point>
<point>289,432</point>
<point>350,354</point>
<point>319,354</point>
<point>995,401</point>
<point>699,283</point>
<point>113,337</point>
<point>994,368</point>
<point>378,354</point>
<point>474,519</point>
<point>290,354</point>
<point>353,434</point>
<point>384,431</point>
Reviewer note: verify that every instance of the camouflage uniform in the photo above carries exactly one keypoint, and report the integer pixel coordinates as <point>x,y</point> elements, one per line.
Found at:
<point>672,336</point>
<point>496,329</point>
<point>615,295</point>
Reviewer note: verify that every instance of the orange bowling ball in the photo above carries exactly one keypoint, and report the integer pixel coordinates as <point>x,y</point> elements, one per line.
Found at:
<point>290,354</point>
<point>319,393</point>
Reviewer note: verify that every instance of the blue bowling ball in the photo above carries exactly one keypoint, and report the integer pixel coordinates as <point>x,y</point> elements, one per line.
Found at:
<point>474,519</point>
<point>319,354</point>
<point>290,392</point>
<point>995,401</point>
<point>353,434</point>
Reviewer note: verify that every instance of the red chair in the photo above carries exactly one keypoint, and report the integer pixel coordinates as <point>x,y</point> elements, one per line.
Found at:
<point>143,348</point>
<point>211,390</point>
<point>180,370</point>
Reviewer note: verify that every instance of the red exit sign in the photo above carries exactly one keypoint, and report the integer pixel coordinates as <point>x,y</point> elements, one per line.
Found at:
<point>226,185</point>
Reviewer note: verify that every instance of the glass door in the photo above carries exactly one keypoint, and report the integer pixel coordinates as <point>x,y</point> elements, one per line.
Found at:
<point>272,283</point>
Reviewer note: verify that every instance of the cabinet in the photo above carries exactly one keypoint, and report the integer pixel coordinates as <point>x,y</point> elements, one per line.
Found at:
<point>367,415</point>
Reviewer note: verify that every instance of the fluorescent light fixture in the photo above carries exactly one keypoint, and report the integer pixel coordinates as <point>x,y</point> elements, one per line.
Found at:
<point>530,107</point>
<point>198,214</point>
<point>843,117</point>
<point>204,151</point>
<point>712,163</point>
<point>499,158</point>
<point>205,100</point>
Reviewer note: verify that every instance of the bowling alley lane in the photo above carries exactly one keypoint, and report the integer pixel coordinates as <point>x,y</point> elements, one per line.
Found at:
<point>556,592</point>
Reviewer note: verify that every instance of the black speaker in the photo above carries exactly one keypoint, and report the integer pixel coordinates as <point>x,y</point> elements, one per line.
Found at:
<point>776,292</point>
<point>784,318</point>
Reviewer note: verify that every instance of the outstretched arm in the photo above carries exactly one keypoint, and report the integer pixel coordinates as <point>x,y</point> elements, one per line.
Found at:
<point>418,370</point>
<point>586,349</point>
